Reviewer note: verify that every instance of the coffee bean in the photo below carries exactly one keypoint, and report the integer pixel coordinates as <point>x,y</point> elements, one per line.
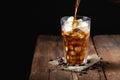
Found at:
<point>81,64</point>
<point>50,60</point>
<point>84,72</point>
<point>88,61</point>
<point>101,58</point>
<point>80,74</point>
<point>99,70</point>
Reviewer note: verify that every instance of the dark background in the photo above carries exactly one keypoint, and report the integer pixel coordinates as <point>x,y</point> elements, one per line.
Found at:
<point>104,15</point>
<point>45,19</point>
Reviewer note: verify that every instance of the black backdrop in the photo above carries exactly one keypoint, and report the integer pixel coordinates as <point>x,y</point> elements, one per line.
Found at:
<point>104,15</point>
<point>45,19</point>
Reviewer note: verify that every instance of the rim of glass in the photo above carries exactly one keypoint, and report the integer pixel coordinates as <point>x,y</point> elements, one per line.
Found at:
<point>84,18</point>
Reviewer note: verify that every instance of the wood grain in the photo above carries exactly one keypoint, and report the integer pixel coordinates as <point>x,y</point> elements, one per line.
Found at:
<point>51,47</point>
<point>92,74</point>
<point>108,47</point>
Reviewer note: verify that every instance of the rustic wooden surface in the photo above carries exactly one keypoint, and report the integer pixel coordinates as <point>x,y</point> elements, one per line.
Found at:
<point>108,47</point>
<point>50,47</point>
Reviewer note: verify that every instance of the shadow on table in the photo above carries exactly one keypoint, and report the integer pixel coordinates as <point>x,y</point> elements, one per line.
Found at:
<point>112,66</point>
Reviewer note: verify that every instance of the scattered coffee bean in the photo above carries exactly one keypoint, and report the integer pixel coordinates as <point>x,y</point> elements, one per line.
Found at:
<point>91,68</point>
<point>101,58</point>
<point>71,64</point>
<point>81,64</point>
<point>84,72</point>
<point>97,66</point>
<point>88,61</point>
<point>99,70</point>
<point>63,69</point>
<point>50,60</point>
<point>80,74</point>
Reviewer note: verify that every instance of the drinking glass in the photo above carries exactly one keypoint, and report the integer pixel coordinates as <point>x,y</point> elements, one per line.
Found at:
<point>75,38</point>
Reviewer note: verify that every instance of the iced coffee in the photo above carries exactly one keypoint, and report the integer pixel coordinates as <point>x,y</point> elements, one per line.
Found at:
<point>75,38</point>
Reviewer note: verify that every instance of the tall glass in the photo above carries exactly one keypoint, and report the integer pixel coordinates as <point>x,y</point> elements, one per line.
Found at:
<point>75,38</point>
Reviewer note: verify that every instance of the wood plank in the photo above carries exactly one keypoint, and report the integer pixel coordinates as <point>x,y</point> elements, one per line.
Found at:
<point>55,73</point>
<point>46,49</point>
<point>51,47</point>
<point>40,69</point>
<point>108,47</point>
<point>92,74</point>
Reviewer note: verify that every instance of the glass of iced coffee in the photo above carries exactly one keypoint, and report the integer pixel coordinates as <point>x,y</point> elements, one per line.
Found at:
<point>75,33</point>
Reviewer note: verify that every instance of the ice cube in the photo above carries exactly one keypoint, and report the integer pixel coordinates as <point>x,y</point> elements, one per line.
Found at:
<point>70,19</point>
<point>68,24</point>
<point>77,49</point>
<point>84,24</point>
<point>70,47</point>
<point>72,53</point>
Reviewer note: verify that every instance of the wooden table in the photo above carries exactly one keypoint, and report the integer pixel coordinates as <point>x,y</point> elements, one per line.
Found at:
<point>50,47</point>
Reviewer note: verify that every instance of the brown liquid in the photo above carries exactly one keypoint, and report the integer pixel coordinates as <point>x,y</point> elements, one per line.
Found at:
<point>75,46</point>
<point>75,13</point>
